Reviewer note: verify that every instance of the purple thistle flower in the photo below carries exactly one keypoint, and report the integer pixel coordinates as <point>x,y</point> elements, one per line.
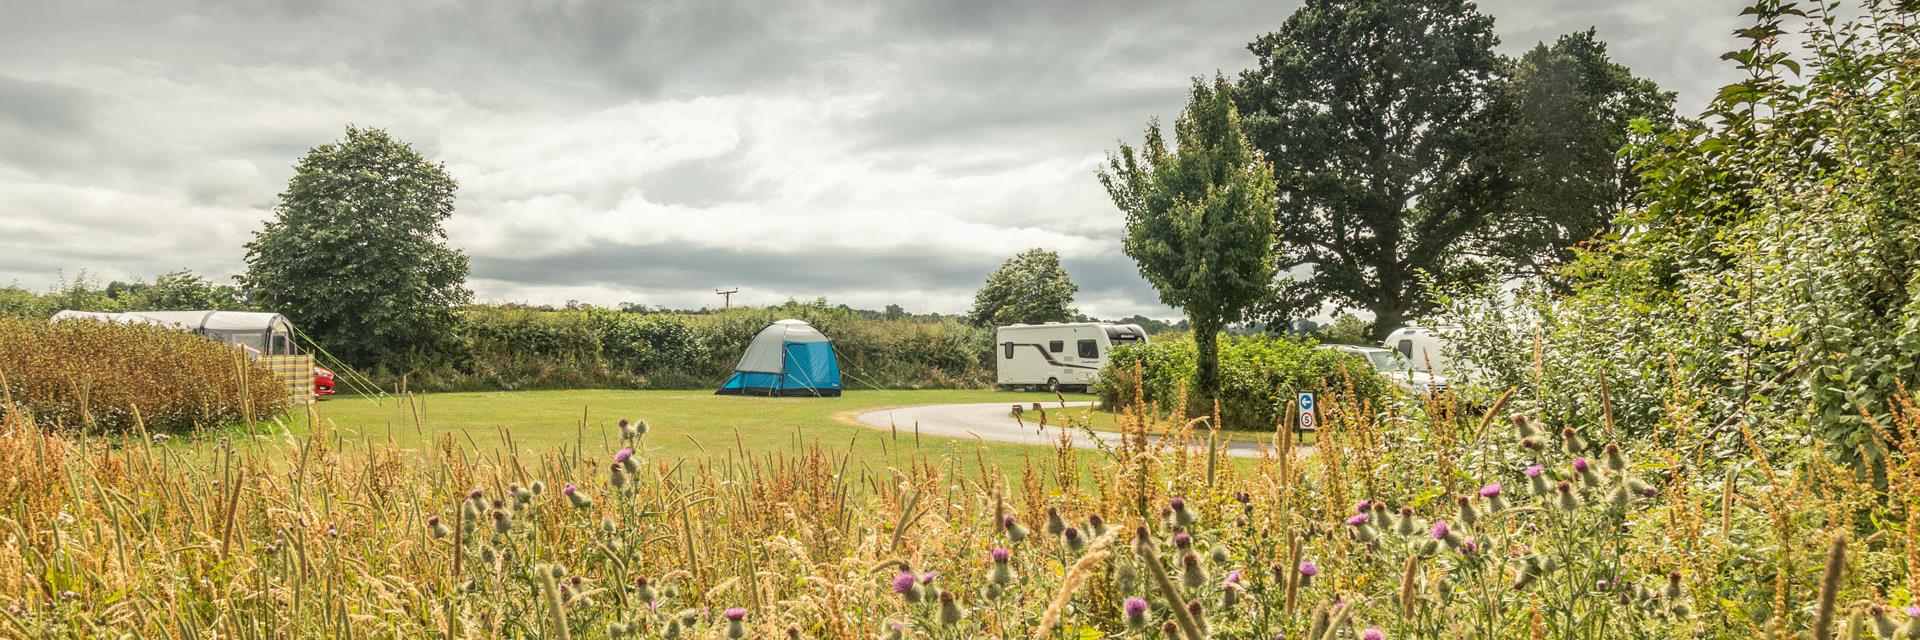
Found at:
<point>903,583</point>
<point>1135,607</point>
<point>1490,490</point>
<point>1182,540</point>
<point>1233,577</point>
<point>735,614</point>
<point>1363,506</point>
<point>927,578</point>
<point>474,494</point>
<point>622,455</point>
<point>1373,633</point>
<point>1580,464</point>
<point>1177,504</point>
<point>1309,569</point>
<point>1913,611</point>
<point>1533,471</point>
<point>567,490</point>
<point>1358,519</point>
<point>1001,555</point>
<point>1440,530</point>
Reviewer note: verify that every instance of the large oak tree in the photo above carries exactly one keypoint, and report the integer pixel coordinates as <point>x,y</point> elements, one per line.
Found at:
<point>1375,115</point>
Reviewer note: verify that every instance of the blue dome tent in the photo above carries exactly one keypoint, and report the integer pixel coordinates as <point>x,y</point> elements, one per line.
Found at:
<point>788,358</point>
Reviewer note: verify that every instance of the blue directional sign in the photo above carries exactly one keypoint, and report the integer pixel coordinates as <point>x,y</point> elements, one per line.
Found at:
<point>1307,417</point>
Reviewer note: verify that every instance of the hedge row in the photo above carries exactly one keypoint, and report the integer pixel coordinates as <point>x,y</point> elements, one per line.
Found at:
<point>520,348</point>
<point>1259,376</point>
<point>97,376</point>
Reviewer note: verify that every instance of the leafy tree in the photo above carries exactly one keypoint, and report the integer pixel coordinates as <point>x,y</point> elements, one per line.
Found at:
<point>1346,329</point>
<point>356,255</point>
<point>1199,218</point>
<point>184,290</point>
<point>894,312</point>
<point>1568,109</point>
<point>1030,287</point>
<point>1375,116</point>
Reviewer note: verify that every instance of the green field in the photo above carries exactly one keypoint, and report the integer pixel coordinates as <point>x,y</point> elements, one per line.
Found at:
<point>689,424</point>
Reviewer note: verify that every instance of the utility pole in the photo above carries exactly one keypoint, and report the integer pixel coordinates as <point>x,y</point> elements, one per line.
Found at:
<point>727,296</point>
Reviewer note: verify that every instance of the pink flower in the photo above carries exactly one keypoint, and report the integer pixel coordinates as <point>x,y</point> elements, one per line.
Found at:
<point>1309,569</point>
<point>567,490</point>
<point>1358,519</point>
<point>1533,471</point>
<point>735,614</point>
<point>1001,555</point>
<point>1490,490</point>
<point>1440,530</point>
<point>1580,464</point>
<point>1135,607</point>
<point>1373,633</point>
<point>1913,611</point>
<point>1363,506</point>
<point>622,455</point>
<point>903,583</point>
<point>1233,577</point>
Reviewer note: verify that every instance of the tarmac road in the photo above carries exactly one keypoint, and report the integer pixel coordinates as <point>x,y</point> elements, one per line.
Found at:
<point>993,421</point>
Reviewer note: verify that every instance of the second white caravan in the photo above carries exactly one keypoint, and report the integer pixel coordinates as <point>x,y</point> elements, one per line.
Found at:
<point>1064,355</point>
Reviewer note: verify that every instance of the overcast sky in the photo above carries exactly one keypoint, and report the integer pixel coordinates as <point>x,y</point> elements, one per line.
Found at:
<point>650,152</point>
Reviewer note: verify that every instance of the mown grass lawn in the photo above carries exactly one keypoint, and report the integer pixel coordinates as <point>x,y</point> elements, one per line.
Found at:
<point>689,424</point>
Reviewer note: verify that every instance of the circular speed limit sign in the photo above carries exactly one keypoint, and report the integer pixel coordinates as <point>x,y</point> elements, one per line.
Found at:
<point>1306,411</point>
<point>1306,421</point>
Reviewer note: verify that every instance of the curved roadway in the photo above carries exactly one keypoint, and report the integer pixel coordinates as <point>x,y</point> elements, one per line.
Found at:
<point>992,421</point>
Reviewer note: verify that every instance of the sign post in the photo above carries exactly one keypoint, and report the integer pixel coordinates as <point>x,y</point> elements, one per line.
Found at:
<point>1308,417</point>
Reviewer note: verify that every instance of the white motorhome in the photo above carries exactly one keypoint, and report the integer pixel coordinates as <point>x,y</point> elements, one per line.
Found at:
<point>1067,355</point>
<point>1428,349</point>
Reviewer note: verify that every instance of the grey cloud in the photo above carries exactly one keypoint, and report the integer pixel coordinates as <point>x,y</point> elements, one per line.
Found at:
<point>43,123</point>
<point>679,267</point>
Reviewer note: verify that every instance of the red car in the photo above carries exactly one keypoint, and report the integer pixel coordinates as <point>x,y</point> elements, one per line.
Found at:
<point>322,381</point>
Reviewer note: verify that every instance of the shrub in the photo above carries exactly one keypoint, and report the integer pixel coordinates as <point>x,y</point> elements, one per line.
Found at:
<point>1258,377</point>
<point>98,375</point>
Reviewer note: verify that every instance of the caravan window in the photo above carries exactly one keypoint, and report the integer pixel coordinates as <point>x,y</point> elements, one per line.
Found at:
<point>1008,346</point>
<point>1089,349</point>
<point>1405,348</point>
<point>1057,346</point>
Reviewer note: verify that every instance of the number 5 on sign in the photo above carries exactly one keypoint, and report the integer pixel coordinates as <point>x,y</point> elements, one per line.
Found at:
<point>1307,417</point>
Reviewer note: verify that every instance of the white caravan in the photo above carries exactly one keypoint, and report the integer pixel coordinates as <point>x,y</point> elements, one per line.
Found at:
<point>1429,350</point>
<point>1067,355</point>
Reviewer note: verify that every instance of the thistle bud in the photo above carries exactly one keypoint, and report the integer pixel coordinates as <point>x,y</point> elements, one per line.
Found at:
<point>1191,573</point>
<point>1073,540</point>
<point>950,612</point>
<point>1055,524</point>
<point>1468,516</point>
<point>1673,585</point>
<point>1135,611</point>
<point>644,588</point>
<point>1522,425</point>
<point>440,529</point>
<point>1404,525</point>
<point>640,428</point>
<point>1571,442</point>
<point>1097,524</point>
<point>618,478</point>
<point>736,623</point>
<point>576,496</point>
<point>1307,571</point>
<point>1567,500</point>
<point>1181,540</point>
<point>538,487</point>
<point>502,523</point>
<point>1619,497</point>
<point>1002,574</point>
<point>1536,480</point>
<point>1015,531</point>
<point>1182,517</point>
<point>1615,461</point>
<point>1883,622</point>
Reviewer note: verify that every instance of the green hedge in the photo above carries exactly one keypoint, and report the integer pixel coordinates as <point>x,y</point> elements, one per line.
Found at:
<point>1258,376</point>
<point>507,347</point>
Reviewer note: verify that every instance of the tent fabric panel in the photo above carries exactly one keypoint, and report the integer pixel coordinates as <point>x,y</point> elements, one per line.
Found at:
<point>812,365</point>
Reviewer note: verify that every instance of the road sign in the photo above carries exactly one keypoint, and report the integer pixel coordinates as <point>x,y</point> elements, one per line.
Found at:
<point>1307,417</point>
